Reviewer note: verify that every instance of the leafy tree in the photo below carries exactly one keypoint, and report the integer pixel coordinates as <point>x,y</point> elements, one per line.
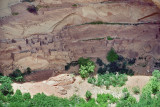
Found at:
<point>99,62</point>
<point>5,79</point>
<point>6,88</point>
<point>26,96</point>
<point>112,55</point>
<point>29,70</point>
<point>156,73</point>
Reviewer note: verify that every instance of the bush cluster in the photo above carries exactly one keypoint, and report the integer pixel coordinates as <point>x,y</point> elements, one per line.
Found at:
<point>109,38</point>
<point>18,76</point>
<point>86,67</point>
<point>136,90</point>
<point>88,95</point>
<point>109,79</point>
<point>126,100</point>
<point>150,96</point>
<point>117,63</point>
<point>41,100</point>
<point>6,87</point>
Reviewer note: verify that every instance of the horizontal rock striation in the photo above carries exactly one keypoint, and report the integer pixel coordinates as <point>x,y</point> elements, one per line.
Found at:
<point>59,35</point>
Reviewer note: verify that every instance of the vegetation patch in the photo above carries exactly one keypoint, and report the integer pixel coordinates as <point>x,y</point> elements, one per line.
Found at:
<point>112,56</point>
<point>86,67</point>
<point>73,63</point>
<point>126,100</point>
<point>41,6</point>
<point>15,13</point>
<point>28,0</point>
<point>94,39</point>
<point>117,63</point>
<point>88,95</point>
<point>136,90</point>
<point>110,23</point>
<point>150,97</point>
<point>32,9</point>
<point>74,5</point>
<point>109,38</point>
<point>109,79</point>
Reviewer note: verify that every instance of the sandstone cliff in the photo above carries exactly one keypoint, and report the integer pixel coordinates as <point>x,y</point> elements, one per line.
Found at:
<point>59,33</point>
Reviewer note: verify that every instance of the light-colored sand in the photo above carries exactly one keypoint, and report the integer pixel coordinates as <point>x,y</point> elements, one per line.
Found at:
<point>139,81</point>
<point>5,7</point>
<point>79,87</point>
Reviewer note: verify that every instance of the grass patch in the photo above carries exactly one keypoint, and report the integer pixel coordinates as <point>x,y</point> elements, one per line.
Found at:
<point>109,38</point>
<point>94,39</point>
<point>15,13</point>
<point>41,6</point>
<point>74,5</point>
<point>28,0</point>
<point>136,90</point>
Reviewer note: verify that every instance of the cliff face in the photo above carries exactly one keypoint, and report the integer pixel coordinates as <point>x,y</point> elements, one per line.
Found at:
<point>59,33</point>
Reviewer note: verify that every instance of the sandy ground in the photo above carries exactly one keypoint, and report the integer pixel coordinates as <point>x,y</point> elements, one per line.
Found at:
<point>5,7</point>
<point>79,87</point>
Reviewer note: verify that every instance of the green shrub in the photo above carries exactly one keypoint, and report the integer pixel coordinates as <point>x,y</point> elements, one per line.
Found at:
<point>136,90</point>
<point>26,96</point>
<point>86,67</point>
<point>73,63</point>
<point>125,90</point>
<point>156,73</point>
<point>99,62</point>
<point>17,75</point>
<point>3,98</point>
<point>112,55</point>
<point>131,61</point>
<point>126,100</point>
<point>5,79</point>
<point>109,38</point>
<point>92,80</point>
<point>105,99</point>
<point>74,5</point>
<point>88,95</point>
<point>19,79</point>
<point>76,100</point>
<point>109,79</point>
<point>15,13</point>
<point>32,9</point>
<point>107,84</point>
<point>101,70</point>
<point>28,70</point>
<point>6,88</point>
<point>96,22</point>
<point>84,61</point>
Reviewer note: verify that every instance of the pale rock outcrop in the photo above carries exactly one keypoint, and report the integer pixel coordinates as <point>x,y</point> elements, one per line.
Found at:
<point>61,80</point>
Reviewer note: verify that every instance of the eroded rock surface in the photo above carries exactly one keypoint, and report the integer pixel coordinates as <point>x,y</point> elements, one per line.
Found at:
<point>59,33</point>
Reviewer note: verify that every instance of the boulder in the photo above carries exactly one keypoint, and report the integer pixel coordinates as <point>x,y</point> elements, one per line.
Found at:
<point>61,80</point>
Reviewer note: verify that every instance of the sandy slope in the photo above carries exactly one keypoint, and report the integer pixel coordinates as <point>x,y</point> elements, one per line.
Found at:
<point>79,87</point>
